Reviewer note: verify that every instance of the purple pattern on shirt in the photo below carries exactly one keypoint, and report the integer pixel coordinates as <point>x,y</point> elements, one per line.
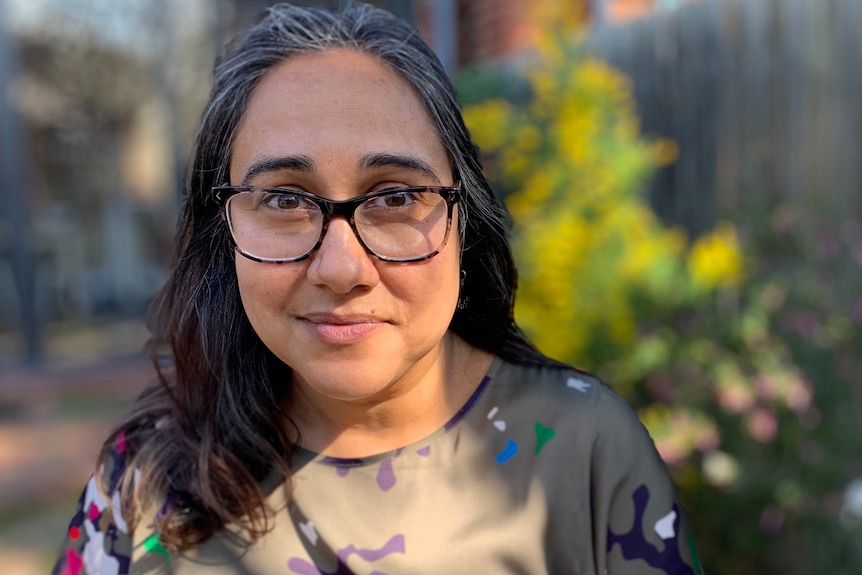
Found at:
<point>394,545</point>
<point>342,465</point>
<point>385,475</point>
<point>634,545</point>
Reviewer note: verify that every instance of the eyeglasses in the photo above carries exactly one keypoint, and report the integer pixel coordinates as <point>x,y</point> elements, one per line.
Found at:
<point>281,225</point>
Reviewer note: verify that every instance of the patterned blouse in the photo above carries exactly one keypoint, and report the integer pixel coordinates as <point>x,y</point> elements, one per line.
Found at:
<point>542,471</point>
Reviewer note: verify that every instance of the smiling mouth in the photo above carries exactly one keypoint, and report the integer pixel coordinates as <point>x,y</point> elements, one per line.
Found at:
<point>342,330</point>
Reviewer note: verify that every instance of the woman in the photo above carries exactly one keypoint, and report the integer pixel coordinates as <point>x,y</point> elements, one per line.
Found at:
<point>348,392</point>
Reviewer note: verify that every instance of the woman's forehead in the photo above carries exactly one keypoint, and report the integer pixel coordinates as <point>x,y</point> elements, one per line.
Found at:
<point>334,102</point>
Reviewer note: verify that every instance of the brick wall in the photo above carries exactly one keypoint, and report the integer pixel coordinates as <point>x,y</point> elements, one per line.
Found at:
<point>493,29</point>
<point>620,11</point>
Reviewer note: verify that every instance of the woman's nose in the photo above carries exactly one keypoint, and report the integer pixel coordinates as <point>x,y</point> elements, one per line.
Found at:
<point>342,263</point>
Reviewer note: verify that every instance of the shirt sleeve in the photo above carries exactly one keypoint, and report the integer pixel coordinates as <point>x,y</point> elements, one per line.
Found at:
<point>639,525</point>
<point>98,541</point>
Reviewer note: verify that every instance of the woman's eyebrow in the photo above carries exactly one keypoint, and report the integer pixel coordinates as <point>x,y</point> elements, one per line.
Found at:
<point>382,160</point>
<point>272,164</point>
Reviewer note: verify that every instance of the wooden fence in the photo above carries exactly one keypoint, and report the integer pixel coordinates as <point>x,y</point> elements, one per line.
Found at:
<point>764,98</point>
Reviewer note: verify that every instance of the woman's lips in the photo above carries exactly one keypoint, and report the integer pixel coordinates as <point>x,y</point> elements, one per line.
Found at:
<point>342,329</point>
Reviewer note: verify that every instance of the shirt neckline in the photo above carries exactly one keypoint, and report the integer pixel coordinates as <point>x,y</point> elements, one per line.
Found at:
<point>302,455</point>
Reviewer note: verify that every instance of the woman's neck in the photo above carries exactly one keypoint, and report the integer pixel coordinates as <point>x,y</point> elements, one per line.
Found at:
<point>408,411</point>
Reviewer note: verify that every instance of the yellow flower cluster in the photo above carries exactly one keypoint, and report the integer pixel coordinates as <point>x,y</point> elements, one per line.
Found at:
<point>488,123</point>
<point>715,259</point>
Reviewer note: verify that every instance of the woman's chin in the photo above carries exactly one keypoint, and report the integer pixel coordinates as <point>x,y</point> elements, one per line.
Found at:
<point>348,387</point>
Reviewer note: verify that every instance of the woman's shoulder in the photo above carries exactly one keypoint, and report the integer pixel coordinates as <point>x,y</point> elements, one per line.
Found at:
<point>574,401</point>
<point>560,384</point>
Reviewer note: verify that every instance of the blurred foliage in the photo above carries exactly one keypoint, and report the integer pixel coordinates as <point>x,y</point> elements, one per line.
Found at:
<point>704,342</point>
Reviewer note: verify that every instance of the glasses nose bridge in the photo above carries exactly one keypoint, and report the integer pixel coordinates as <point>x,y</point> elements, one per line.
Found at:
<point>345,209</point>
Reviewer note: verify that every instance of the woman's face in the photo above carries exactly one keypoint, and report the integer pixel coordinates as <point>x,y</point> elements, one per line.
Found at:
<point>340,124</point>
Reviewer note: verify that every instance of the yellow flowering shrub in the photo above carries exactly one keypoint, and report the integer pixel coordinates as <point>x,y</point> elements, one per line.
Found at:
<point>588,246</point>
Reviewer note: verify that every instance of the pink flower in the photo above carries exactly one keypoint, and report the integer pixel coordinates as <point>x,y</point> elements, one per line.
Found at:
<point>762,425</point>
<point>799,396</point>
<point>707,439</point>
<point>671,453</point>
<point>766,386</point>
<point>735,398</point>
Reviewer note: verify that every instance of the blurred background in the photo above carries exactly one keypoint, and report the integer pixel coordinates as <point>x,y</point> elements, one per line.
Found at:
<point>684,178</point>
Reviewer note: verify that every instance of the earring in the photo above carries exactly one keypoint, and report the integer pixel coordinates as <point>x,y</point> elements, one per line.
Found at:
<point>462,299</point>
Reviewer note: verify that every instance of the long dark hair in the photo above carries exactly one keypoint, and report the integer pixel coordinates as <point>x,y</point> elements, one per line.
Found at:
<point>213,429</point>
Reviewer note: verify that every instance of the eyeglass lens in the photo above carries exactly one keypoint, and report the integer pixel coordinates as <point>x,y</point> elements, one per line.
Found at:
<point>282,226</point>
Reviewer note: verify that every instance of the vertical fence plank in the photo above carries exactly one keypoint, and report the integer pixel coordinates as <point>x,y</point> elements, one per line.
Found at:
<point>756,62</point>
<point>847,22</point>
<point>728,174</point>
<point>823,153</point>
<point>780,110</point>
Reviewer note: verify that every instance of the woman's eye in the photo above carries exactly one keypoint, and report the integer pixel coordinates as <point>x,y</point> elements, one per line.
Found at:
<point>395,200</point>
<point>285,201</point>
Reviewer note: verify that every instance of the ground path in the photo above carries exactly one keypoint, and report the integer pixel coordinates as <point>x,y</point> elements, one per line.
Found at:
<point>52,423</point>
